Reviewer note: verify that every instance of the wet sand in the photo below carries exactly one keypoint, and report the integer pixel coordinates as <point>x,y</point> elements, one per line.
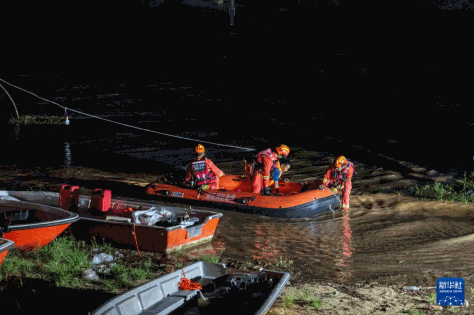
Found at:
<point>368,254</point>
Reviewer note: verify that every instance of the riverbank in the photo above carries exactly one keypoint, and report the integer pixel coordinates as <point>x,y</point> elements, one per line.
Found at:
<point>376,190</point>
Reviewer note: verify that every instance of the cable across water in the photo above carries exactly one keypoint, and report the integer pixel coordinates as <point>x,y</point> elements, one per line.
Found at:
<point>161,133</point>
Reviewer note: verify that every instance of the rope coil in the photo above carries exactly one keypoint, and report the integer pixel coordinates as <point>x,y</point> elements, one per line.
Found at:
<point>186,284</point>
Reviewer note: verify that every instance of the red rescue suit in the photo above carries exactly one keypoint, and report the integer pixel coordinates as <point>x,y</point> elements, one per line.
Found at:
<point>258,160</point>
<point>205,172</point>
<point>261,178</point>
<point>342,180</point>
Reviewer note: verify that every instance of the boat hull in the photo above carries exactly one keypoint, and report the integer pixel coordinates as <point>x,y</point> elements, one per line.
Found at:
<point>29,239</point>
<point>148,238</point>
<point>298,200</point>
<point>5,246</point>
<point>95,224</point>
<point>33,225</point>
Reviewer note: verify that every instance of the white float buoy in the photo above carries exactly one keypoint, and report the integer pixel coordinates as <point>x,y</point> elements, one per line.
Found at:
<point>67,121</point>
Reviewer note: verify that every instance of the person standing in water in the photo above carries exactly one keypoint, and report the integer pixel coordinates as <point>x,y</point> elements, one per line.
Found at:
<point>339,177</point>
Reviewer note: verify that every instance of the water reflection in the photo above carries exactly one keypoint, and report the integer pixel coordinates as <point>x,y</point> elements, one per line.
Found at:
<point>266,243</point>
<point>68,157</point>
<point>17,131</point>
<point>344,272</point>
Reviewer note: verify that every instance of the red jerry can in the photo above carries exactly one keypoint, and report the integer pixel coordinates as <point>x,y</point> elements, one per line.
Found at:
<point>69,197</point>
<point>101,199</point>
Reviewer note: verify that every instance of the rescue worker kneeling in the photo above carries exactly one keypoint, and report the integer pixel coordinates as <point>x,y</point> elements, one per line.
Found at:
<point>276,171</point>
<point>339,177</point>
<point>203,171</point>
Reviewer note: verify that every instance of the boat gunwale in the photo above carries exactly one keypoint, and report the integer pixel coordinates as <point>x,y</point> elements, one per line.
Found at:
<point>7,245</point>
<point>71,218</point>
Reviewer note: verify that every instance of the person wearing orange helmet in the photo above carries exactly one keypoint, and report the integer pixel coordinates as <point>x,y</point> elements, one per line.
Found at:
<point>259,172</point>
<point>339,177</point>
<point>203,171</point>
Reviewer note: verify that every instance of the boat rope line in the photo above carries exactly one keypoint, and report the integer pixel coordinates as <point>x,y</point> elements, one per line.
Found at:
<point>116,122</point>
<point>16,109</point>
<point>135,236</point>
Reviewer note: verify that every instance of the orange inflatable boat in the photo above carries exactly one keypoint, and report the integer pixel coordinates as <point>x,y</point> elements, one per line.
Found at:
<point>297,200</point>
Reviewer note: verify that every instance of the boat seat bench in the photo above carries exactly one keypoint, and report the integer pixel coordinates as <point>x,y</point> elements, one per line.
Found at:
<point>169,304</point>
<point>165,306</point>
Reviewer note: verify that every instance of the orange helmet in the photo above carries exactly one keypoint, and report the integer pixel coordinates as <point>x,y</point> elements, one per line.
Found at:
<point>283,149</point>
<point>340,161</point>
<point>199,149</point>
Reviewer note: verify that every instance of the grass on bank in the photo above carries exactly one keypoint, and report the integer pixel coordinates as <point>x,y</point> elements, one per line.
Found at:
<point>306,297</point>
<point>455,191</point>
<point>63,261</point>
<point>38,120</point>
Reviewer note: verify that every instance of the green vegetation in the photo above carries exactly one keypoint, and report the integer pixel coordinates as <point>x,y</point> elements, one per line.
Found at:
<point>63,261</point>
<point>455,191</point>
<point>247,265</point>
<point>212,258</point>
<point>283,263</point>
<point>431,298</point>
<point>417,313</point>
<point>307,296</point>
<point>289,298</point>
<point>38,120</point>
<point>317,303</point>
<point>15,266</point>
<point>102,247</point>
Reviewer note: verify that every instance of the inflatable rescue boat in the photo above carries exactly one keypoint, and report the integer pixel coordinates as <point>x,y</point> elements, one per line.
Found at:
<point>296,200</point>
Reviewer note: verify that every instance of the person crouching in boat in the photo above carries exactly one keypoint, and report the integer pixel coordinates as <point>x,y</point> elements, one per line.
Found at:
<point>203,171</point>
<point>266,157</point>
<point>261,179</point>
<point>339,177</point>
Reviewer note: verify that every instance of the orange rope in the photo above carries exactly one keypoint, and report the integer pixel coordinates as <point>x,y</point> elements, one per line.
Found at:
<point>135,236</point>
<point>186,284</point>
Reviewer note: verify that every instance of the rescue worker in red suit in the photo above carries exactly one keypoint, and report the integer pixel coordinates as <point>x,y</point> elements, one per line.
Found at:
<point>268,160</point>
<point>339,177</point>
<point>203,171</point>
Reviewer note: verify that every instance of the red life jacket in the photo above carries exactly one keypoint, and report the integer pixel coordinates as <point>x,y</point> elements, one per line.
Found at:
<point>203,175</point>
<point>340,176</point>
